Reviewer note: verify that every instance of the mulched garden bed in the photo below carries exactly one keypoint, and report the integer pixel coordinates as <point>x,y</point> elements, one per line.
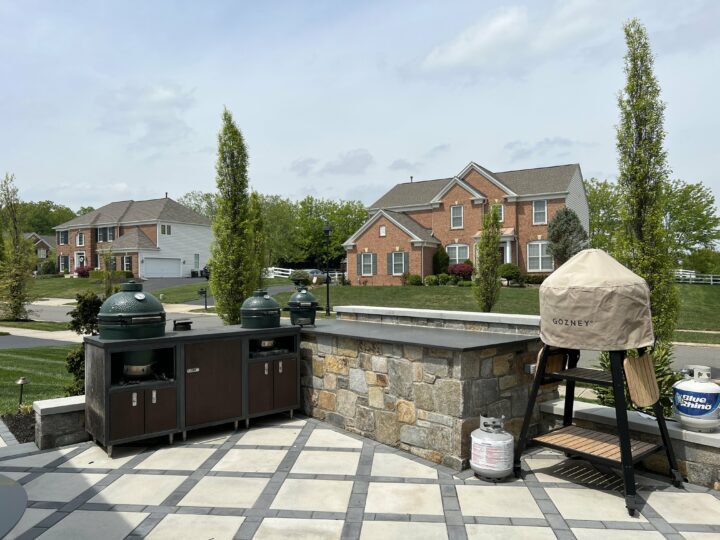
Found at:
<point>22,425</point>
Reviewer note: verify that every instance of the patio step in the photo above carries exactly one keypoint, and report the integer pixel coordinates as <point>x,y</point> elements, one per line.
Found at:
<point>584,375</point>
<point>593,445</point>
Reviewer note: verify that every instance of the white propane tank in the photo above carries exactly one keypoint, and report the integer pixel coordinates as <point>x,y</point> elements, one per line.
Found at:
<point>696,400</point>
<point>492,449</point>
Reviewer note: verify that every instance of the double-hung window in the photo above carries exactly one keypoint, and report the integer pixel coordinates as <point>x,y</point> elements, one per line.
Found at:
<point>165,229</point>
<point>456,216</point>
<point>540,212</point>
<point>105,234</point>
<point>127,263</point>
<point>398,263</point>
<point>383,231</point>
<point>80,239</point>
<point>368,264</point>
<point>62,238</point>
<point>458,253</point>
<point>539,258</point>
<point>500,209</point>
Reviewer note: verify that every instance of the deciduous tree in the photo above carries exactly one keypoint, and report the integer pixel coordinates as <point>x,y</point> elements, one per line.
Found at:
<point>604,205</point>
<point>690,217</point>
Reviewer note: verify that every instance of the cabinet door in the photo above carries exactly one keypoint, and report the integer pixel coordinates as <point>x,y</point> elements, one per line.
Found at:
<point>285,383</point>
<point>127,414</point>
<point>260,387</point>
<point>213,381</point>
<point>160,410</point>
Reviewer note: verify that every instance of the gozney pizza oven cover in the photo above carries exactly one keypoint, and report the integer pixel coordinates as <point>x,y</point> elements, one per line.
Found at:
<point>593,302</point>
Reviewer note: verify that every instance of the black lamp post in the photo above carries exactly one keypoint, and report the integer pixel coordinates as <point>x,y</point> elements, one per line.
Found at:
<point>326,231</point>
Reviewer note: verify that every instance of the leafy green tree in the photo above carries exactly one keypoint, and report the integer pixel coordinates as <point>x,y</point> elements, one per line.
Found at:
<point>19,259</point>
<point>85,210</point>
<point>40,217</point>
<point>690,217</point>
<point>703,261</point>
<point>257,256</point>
<point>603,200</point>
<point>487,280</point>
<point>566,234</point>
<point>281,230</point>
<point>230,253</point>
<point>440,261</point>
<point>203,203</point>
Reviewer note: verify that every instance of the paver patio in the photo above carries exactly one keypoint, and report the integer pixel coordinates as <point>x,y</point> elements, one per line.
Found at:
<point>301,478</point>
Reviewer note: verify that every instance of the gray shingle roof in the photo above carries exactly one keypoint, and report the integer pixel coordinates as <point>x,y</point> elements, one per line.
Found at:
<point>132,240</point>
<point>49,239</point>
<point>541,180</point>
<point>120,212</point>
<point>523,182</point>
<point>413,226</point>
<point>410,193</point>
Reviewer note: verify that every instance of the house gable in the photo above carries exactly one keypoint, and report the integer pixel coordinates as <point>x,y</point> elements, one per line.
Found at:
<point>414,232</point>
<point>486,182</point>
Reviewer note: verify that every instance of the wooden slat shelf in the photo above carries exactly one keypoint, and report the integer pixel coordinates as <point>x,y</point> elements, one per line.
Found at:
<point>593,444</point>
<point>585,375</point>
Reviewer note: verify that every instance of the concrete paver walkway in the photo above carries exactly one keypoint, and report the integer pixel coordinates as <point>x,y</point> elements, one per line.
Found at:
<point>301,478</point>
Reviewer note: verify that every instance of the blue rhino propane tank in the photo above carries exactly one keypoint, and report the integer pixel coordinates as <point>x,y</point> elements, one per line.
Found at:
<point>696,400</point>
<point>492,449</point>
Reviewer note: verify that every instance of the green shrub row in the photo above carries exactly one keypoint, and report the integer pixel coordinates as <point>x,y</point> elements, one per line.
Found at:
<point>116,274</point>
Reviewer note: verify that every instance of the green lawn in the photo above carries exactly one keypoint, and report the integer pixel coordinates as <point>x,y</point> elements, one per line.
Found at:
<point>696,337</point>
<point>47,326</point>
<point>63,287</point>
<point>183,293</point>
<point>44,367</point>
<point>699,307</point>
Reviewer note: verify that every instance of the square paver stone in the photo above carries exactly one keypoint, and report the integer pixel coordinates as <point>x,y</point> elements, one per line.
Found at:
<point>89,525</point>
<point>403,530</point>
<point>386,464</point>
<point>545,469</point>
<point>299,529</point>
<point>225,492</point>
<point>509,532</point>
<point>96,458</point>
<point>37,460</point>
<point>699,536</point>
<point>250,460</point>
<point>591,504</point>
<point>392,498</point>
<point>191,526</point>
<point>30,518</point>
<point>313,495</point>
<point>319,462</point>
<point>615,534</point>
<point>139,489</point>
<point>327,438</point>
<point>498,501</point>
<point>15,475</point>
<point>176,459</point>
<point>701,508</point>
<point>269,436</point>
<point>60,487</point>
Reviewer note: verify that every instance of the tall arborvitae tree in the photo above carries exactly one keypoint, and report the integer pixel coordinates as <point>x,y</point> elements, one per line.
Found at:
<point>642,243</point>
<point>18,260</point>
<point>231,277</point>
<point>257,252</point>
<point>487,268</point>
<point>566,234</point>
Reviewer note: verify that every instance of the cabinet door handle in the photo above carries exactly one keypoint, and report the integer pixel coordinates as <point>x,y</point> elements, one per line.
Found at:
<point>192,370</point>
<point>266,368</point>
<point>280,367</point>
<point>134,399</point>
<point>154,396</point>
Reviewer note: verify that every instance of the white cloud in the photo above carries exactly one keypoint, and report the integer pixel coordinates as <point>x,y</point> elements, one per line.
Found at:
<point>352,162</point>
<point>555,147</point>
<point>303,166</point>
<point>404,165</point>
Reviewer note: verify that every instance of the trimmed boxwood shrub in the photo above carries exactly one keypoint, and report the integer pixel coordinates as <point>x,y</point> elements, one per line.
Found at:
<point>464,284</point>
<point>461,271</point>
<point>301,277</point>
<point>431,280</point>
<point>443,279</point>
<point>414,280</point>
<point>534,279</point>
<point>510,272</point>
<point>117,275</point>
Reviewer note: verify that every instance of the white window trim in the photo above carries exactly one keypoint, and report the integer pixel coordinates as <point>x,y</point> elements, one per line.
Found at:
<point>362,264</point>
<point>127,258</point>
<point>61,238</point>
<point>196,261</point>
<point>462,216</point>
<point>78,236</point>
<point>77,259</point>
<point>402,263</point>
<point>544,201</point>
<point>383,230</point>
<point>502,211</point>
<point>447,249</point>
<point>539,243</point>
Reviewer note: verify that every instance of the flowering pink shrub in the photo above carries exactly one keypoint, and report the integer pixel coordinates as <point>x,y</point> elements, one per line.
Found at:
<point>461,271</point>
<point>83,271</point>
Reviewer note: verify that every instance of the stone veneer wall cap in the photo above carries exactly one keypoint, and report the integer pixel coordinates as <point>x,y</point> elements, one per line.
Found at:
<point>47,407</point>
<point>638,422</point>
<point>468,316</point>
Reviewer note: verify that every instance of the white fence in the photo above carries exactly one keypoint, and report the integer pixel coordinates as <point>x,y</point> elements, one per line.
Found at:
<point>273,272</point>
<point>689,276</point>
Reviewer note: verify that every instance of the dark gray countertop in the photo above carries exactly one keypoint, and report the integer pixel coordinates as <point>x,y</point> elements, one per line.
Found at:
<point>438,338</point>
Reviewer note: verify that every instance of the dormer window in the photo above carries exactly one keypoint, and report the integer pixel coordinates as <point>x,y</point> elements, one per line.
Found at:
<point>456,216</point>
<point>383,232</point>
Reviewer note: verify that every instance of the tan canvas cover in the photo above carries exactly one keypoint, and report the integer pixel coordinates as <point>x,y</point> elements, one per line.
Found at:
<point>593,302</point>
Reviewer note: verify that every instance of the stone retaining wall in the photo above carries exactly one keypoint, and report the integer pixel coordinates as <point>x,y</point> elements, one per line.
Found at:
<point>59,422</point>
<point>457,320</point>
<point>425,401</point>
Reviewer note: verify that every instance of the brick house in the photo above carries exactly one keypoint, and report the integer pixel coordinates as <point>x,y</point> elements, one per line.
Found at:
<point>154,238</point>
<point>409,222</point>
<point>43,247</point>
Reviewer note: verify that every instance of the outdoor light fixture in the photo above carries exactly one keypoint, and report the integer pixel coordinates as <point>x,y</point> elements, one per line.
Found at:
<point>22,381</point>
<point>326,231</point>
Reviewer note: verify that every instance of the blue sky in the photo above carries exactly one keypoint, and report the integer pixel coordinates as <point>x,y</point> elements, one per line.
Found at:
<point>104,101</point>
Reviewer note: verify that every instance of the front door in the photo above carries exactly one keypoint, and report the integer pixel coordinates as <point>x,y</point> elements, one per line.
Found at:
<point>80,258</point>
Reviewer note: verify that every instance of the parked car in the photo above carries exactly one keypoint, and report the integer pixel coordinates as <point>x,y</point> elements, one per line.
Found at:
<point>205,272</point>
<point>314,272</point>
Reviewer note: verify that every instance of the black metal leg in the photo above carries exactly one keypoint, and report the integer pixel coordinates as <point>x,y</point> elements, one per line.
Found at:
<point>616,364</point>
<point>537,381</point>
<point>677,478</point>
<point>571,359</point>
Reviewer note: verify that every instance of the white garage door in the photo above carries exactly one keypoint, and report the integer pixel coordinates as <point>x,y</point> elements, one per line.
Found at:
<point>156,267</point>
